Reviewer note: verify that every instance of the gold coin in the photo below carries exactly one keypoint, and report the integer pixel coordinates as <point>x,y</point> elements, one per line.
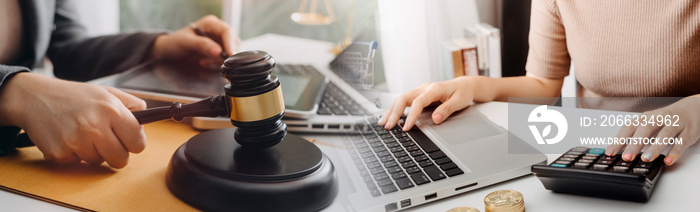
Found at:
<point>463,209</point>
<point>504,200</point>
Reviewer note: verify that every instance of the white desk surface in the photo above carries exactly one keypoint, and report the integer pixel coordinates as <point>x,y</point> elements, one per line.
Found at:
<point>675,191</point>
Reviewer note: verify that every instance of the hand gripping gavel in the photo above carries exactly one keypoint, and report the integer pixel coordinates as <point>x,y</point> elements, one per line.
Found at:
<point>253,101</point>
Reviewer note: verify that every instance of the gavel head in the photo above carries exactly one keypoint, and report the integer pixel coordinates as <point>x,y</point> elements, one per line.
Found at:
<point>254,99</point>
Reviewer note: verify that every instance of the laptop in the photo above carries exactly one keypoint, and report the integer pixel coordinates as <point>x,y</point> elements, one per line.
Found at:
<point>387,170</point>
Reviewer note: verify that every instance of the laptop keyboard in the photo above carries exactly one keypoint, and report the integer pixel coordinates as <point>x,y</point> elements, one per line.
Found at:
<point>295,69</point>
<point>389,160</point>
<point>334,100</point>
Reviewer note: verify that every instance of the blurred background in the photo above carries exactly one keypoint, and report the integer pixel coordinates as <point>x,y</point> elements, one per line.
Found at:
<point>415,28</point>
<point>256,16</point>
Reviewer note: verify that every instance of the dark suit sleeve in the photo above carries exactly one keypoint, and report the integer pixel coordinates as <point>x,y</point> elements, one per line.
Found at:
<point>8,134</point>
<point>78,57</point>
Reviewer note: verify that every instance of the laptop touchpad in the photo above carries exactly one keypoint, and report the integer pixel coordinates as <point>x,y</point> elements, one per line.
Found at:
<point>464,127</point>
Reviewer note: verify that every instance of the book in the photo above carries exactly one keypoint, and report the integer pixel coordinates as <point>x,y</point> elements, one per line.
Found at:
<point>488,44</point>
<point>451,60</point>
<point>460,58</point>
<point>492,35</point>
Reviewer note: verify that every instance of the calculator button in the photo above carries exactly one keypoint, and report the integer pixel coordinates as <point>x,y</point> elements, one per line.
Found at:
<point>596,151</point>
<point>563,162</point>
<point>590,157</point>
<point>600,166</point>
<point>581,165</point>
<point>623,163</point>
<point>640,170</point>
<point>620,168</point>
<point>585,161</point>
<point>570,156</point>
<point>558,165</point>
<point>579,149</point>
<point>575,153</point>
<point>609,157</point>
<point>606,162</point>
<point>566,159</point>
<point>644,165</point>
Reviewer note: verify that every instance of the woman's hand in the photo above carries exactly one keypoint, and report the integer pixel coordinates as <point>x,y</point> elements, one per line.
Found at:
<point>459,93</point>
<point>70,121</point>
<point>186,45</point>
<point>453,95</point>
<point>688,130</point>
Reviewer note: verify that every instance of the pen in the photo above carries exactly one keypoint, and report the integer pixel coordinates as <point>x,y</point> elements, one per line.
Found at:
<point>199,32</point>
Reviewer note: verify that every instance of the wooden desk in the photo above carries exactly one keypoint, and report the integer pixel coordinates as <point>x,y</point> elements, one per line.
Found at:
<point>140,186</point>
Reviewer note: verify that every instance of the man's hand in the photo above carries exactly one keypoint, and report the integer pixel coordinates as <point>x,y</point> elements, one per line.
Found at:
<point>687,129</point>
<point>70,121</point>
<point>186,45</point>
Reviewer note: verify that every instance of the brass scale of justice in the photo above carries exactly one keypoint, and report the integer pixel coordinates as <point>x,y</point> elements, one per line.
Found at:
<point>257,166</point>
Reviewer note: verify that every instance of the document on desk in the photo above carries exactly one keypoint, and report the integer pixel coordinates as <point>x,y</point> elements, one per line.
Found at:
<point>140,186</point>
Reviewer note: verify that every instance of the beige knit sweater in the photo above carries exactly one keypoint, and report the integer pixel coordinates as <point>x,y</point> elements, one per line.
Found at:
<point>618,47</point>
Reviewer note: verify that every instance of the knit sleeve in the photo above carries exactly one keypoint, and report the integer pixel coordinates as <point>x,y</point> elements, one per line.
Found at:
<point>548,55</point>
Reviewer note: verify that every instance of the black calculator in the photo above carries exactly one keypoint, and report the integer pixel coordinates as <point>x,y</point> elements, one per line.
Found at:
<point>588,171</point>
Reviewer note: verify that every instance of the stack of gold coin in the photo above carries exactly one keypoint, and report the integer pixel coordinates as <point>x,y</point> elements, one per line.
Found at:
<point>504,201</point>
<point>463,209</point>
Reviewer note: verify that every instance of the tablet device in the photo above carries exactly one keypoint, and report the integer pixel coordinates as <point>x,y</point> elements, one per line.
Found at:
<point>188,83</point>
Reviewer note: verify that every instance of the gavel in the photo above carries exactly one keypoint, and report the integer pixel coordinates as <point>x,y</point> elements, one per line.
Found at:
<point>253,101</point>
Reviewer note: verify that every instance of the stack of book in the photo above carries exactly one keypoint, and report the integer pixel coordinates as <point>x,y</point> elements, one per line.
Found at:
<point>477,53</point>
<point>460,57</point>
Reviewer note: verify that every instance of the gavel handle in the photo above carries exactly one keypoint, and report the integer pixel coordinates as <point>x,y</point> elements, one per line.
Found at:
<point>210,107</point>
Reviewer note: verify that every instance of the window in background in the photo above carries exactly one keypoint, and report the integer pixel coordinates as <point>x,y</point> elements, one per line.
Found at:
<point>257,17</point>
<point>273,16</point>
<point>164,14</point>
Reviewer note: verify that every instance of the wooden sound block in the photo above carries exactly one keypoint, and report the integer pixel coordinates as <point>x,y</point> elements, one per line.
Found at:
<point>214,173</point>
